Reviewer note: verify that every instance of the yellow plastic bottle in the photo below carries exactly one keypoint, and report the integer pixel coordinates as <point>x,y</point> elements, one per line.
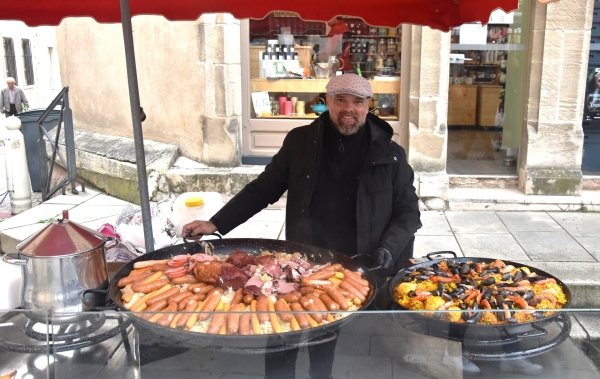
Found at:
<point>190,206</point>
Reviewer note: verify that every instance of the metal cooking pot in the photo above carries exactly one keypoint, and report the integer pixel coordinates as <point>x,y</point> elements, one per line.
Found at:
<point>58,263</point>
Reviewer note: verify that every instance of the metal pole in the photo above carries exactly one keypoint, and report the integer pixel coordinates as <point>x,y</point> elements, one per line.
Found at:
<point>138,138</point>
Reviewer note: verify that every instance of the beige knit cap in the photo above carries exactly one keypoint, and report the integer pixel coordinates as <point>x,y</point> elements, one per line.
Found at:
<point>350,83</point>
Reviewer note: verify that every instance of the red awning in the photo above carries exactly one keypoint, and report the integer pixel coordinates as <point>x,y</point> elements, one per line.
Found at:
<point>438,14</point>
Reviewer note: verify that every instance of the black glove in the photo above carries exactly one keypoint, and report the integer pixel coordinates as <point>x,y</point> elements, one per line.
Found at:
<point>384,259</point>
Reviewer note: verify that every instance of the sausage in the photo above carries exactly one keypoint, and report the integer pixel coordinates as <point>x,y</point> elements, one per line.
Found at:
<point>353,275</point>
<point>291,297</point>
<point>237,298</point>
<point>162,296</point>
<point>195,296</point>
<point>160,267</point>
<point>324,274</point>
<point>143,264</point>
<point>329,302</point>
<point>233,319</point>
<point>317,301</point>
<point>347,294</point>
<point>248,299</point>
<point>216,322</point>
<point>356,284</point>
<point>308,282</point>
<point>262,307</point>
<point>132,279</point>
<point>245,324</point>
<point>306,290</point>
<point>190,307</point>
<point>190,279</point>
<point>180,296</point>
<point>155,307</point>
<point>281,306</point>
<point>210,303</point>
<point>300,317</point>
<point>353,290</point>
<point>310,306</point>
<point>140,271</point>
<point>149,287</point>
<point>336,296</point>
<point>167,318</point>
<point>336,267</point>
<point>200,287</point>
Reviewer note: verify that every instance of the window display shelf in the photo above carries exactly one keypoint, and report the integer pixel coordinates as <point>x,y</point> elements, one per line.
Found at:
<point>488,46</point>
<point>314,85</point>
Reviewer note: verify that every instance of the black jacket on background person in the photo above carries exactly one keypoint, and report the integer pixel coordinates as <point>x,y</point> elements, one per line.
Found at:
<point>387,211</point>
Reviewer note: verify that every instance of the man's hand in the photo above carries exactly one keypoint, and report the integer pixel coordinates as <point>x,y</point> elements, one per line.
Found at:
<point>2,111</point>
<point>384,259</point>
<point>197,229</point>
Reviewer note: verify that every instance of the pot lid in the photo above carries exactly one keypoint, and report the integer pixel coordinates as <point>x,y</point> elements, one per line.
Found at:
<point>61,237</point>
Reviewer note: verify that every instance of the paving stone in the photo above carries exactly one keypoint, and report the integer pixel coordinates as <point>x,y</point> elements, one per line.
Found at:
<point>34,215</point>
<point>427,244</point>
<point>552,246</point>
<point>434,224</point>
<point>70,198</point>
<point>578,224</point>
<point>591,245</point>
<point>502,246</point>
<point>475,222</point>
<point>529,222</point>
<point>83,212</point>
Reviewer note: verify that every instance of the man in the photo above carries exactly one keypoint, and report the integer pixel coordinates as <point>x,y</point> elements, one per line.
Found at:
<point>13,99</point>
<point>350,189</point>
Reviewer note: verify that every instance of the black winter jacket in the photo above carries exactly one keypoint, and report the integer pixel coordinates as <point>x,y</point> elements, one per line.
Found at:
<point>387,209</point>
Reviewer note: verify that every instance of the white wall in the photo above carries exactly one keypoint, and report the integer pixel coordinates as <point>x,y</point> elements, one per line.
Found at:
<point>46,70</point>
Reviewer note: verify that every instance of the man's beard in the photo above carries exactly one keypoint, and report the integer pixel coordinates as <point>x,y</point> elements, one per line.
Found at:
<point>347,127</point>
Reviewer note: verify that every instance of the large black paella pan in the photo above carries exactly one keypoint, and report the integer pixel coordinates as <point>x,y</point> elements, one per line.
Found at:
<point>248,343</point>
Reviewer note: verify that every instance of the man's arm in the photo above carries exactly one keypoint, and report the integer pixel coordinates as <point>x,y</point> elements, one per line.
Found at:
<point>270,185</point>
<point>406,218</point>
<point>24,100</point>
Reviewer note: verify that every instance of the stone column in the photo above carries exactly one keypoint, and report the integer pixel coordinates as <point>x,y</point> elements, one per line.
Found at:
<point>219,40</point>
<point>428,113</point>
<point>551,147</point>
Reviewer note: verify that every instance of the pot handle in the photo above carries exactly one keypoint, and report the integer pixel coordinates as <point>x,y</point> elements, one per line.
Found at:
<point>540,332</point>
<point>111,243</point>
<point>430,255</point>
<point>93,307</point>
<point>359,258</point>
<point>14,259</point>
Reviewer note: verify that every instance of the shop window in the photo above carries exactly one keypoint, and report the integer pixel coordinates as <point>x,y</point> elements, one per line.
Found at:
<point>291,61</point>
<point>9,59</point>
<point>486,94</point>
<point>27,61</point>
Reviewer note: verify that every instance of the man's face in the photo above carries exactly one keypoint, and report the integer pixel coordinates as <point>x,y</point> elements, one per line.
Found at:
<point>348,112</point>
<point>10,84</point>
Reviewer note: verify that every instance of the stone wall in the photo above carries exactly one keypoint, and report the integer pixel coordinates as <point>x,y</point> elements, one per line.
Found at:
<point>189,77</point>
<point>551,147</point>
<point>429,71</point>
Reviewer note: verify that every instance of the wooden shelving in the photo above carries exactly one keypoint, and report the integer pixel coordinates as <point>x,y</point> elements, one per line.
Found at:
<point>314,85</point>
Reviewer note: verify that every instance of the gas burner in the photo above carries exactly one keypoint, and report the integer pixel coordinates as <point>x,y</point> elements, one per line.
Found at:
<point>31,334</point>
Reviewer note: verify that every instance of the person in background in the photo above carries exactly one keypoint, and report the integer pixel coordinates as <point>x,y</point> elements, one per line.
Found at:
<point>350,189</point>
<point>14,100</point>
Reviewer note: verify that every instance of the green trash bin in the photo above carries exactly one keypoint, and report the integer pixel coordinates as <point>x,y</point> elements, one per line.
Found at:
<point>29,128</point>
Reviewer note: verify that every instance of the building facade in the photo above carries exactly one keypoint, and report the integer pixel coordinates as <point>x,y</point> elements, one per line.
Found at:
<point>517,99</point>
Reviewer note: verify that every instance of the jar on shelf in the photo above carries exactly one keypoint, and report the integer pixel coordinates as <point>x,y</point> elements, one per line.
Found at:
<point>391,46</point>
<point>370,64</point>
<point>389,62</point>
<point>373,30</point>
<point>381,47</point>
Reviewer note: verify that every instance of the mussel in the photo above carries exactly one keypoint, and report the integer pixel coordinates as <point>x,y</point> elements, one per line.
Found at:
<point>489,281</point>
